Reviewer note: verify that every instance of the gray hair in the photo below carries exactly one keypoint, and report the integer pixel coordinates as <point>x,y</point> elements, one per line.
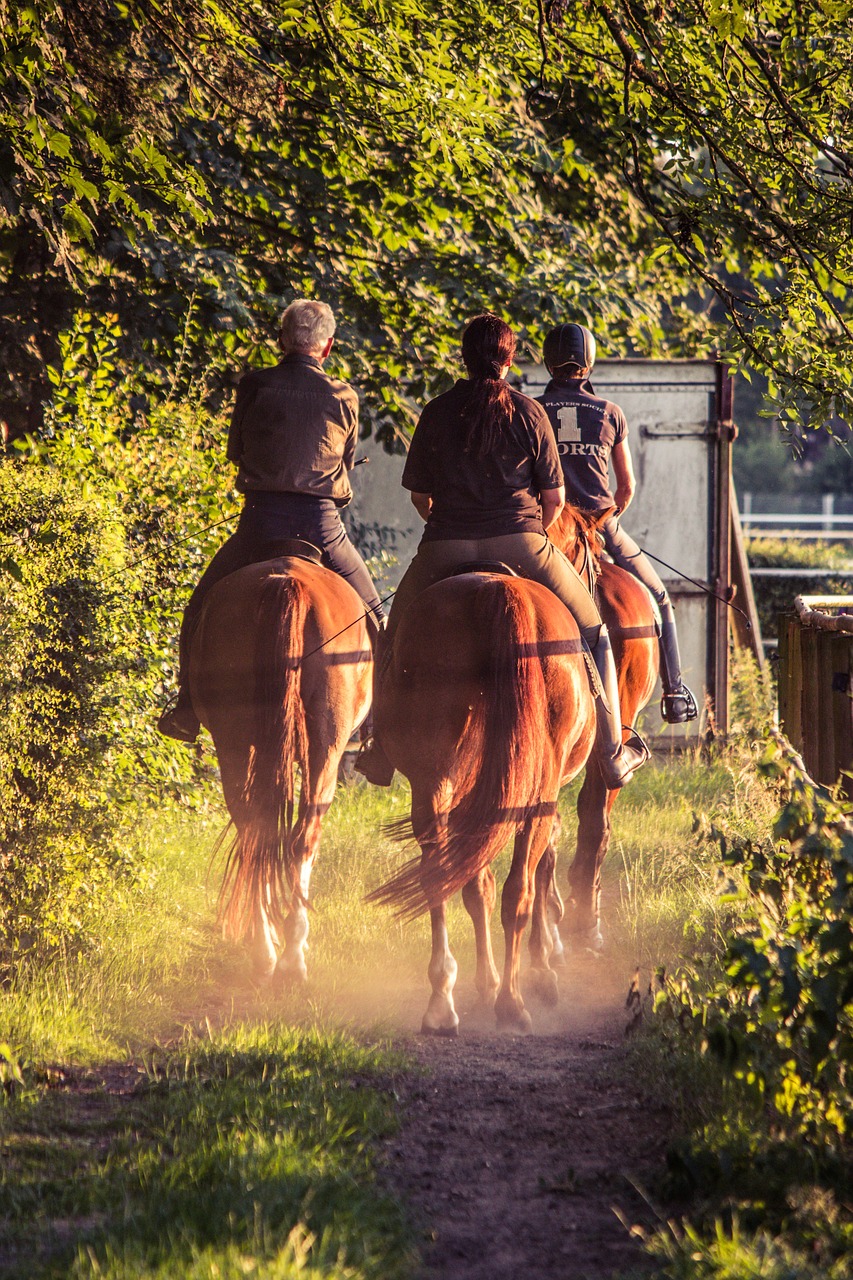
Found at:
<point>306,326</point>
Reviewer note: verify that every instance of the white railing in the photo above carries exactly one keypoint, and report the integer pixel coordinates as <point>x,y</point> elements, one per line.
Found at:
<point>827,524</point>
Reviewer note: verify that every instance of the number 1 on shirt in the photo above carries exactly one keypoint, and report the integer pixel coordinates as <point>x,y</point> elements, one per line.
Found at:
<point>569,432</point>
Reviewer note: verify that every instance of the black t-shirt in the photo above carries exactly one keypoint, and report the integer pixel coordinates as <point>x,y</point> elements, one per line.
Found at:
<point>587,428</point>
<point>482,497</point>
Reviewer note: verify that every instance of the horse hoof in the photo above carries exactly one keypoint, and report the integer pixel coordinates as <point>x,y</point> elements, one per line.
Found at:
<point>543,984</point>
<point>444,1033</point>
<point>588,941</point>
<point>291,979</point>
<point>515,1023</point>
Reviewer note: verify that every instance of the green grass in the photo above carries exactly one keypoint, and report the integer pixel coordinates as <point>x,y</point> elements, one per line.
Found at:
<point>156,950</point>
<point>249,1152</point>
<point>226,1139</point>
<point>159,958</point>
<point>796,552</point>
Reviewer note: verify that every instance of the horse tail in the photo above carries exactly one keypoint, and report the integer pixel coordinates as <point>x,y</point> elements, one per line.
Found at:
<point>259,867</point>
<point>504,750</point>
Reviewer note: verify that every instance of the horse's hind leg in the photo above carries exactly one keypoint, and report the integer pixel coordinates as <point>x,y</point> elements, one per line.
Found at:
<point>263,941</point>
<point>318,791</point>
<point>541,945</point>
<point>254,922</point>
<point>441,1018</point>
<point>429,817</point>
<point>594,805</point>
<point>479,899</point>
<point>516,907</point>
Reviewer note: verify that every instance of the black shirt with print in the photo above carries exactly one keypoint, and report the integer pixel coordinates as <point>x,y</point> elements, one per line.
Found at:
<point>587,428</point>
<point>482,497</point>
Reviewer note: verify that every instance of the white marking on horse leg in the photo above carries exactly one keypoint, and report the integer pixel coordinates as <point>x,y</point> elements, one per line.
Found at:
<point>292,964</point>
<point>263,943</point>
<point>441,1017</point>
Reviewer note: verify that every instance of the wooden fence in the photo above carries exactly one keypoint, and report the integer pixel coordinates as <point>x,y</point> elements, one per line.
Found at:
<point>816,685</point>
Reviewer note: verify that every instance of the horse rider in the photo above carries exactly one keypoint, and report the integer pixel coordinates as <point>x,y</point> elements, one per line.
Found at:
<point>293,435</point>
<point>484,474</point>
<point>590,433</point>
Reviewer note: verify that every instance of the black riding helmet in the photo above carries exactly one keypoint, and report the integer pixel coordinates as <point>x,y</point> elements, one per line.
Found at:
<point>569,344</point>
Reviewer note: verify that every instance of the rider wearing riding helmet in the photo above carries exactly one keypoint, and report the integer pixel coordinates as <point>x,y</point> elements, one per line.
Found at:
<point>484,473</point>
<point>293,435</point>
<point>590,433</point>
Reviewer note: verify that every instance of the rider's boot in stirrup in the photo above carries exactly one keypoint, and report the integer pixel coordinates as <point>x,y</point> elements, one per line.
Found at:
<point>371,761</point>
<point>617,761</point>
<point>677,705</point>
<point>179,720</point>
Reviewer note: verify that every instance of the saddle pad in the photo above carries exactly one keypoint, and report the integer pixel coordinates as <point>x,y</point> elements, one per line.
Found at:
<point>481,566</point>
<point>298,547</point>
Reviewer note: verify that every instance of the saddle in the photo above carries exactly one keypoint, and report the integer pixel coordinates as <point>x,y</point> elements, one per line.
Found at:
<point>480,566</point>
<point>298,547</point>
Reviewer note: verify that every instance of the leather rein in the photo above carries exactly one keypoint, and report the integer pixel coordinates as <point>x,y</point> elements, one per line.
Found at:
<point>589,570</point>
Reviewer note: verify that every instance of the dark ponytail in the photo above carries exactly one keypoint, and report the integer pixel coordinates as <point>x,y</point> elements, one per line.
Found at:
<point>488,345</point>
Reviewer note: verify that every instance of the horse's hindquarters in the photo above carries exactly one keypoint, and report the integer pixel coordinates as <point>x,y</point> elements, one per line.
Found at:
<point>280,672</point>
<point>484,707</point>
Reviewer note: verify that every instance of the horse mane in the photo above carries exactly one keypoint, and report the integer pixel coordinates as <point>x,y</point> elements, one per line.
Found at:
<point>573,526</point>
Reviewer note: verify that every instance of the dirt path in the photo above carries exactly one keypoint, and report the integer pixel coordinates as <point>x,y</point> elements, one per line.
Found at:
<point>515,1152</point>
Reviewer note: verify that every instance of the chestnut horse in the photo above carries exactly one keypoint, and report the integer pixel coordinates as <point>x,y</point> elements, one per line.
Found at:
<point>486,707</point>
<point>627,609</point>
<point>280,674</point>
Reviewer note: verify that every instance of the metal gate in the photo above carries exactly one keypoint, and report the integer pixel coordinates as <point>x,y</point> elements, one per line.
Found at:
<point>679,421</point>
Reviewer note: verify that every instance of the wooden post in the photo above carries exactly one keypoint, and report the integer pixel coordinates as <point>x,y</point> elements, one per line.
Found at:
<point>746,637</point>
<point>795,691</point>
<point>842,707</point>
<point>721,559</point>
<point>828,768</point>
<point>810,727</point>
<point>785,621</point>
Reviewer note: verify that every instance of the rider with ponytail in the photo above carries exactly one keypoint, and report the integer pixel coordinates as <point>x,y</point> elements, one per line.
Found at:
<point>485,475</point>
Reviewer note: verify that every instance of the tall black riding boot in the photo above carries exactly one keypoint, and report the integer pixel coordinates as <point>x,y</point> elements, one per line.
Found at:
<point>371,761</point>
<point>677,705</point>
<point>179,720</point>
<point>616,760</point>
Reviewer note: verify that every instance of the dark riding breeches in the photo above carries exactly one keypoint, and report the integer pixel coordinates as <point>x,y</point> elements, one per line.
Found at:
<point>623,550</point>
<point>267,518</point>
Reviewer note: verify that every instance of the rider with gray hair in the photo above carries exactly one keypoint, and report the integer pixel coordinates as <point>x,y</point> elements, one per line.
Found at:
<point>293,435</point>
<point>306,326</point>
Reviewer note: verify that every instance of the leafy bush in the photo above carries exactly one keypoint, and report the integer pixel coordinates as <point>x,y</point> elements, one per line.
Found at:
<point>771,1023</point>
<point>103,531</point>
<point>782,553</point>
<point>780,1018</point>
<point>752,698</point>
<point>776,595</point>
<point>784,1019</point>
<point>67,658</point>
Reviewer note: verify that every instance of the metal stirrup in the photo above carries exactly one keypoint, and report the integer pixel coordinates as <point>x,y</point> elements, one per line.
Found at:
<point>679,706</point>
